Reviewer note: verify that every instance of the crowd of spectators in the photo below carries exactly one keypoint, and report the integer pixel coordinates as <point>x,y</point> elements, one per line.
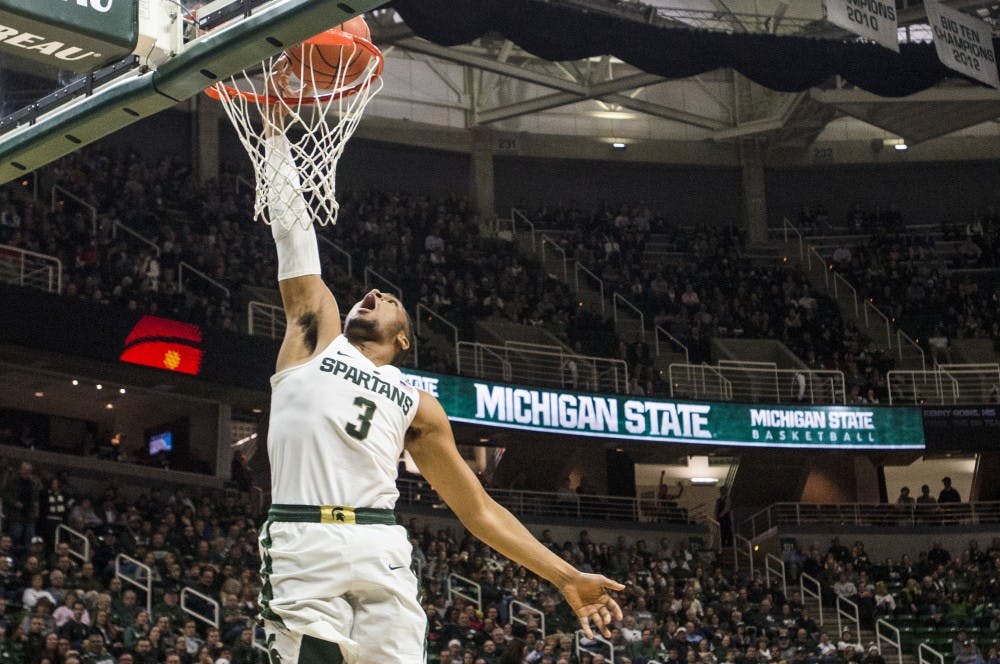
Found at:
<point>708,288</point>
<point>680,604</point>
<point>939,283</point>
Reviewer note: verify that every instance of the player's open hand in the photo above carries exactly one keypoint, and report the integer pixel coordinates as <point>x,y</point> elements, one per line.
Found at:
<point>587,595</point>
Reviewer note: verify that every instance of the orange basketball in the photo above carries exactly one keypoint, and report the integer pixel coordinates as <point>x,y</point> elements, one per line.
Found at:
<point>328,60</point>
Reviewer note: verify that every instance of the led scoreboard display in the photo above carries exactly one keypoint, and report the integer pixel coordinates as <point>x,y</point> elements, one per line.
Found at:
<point>78,35</point>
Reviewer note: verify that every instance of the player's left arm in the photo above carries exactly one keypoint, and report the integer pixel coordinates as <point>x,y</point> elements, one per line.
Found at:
<point>431,443</point>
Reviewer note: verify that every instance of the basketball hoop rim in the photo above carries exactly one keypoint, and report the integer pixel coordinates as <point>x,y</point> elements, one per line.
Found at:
<point>332,37</point>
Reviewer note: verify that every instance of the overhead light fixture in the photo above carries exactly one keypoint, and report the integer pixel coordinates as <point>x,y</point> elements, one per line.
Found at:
<point>99,386</point>
<point>613,115</point>
<point>901,146</point>
<point>896,143</point>
<point>75,382</point>
<point>704,481</point>
<point>256,411</point>
<point>121,390</point>
<point>618,145</point>
<point>39,394</point>
<point>109,406</point>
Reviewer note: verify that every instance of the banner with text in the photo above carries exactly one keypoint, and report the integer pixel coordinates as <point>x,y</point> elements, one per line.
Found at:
<point>660,421</point>
<point>963,43</point>
<point>871,19</point>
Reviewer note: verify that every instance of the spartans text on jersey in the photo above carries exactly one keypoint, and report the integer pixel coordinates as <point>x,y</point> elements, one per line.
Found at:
<point>368,381</point>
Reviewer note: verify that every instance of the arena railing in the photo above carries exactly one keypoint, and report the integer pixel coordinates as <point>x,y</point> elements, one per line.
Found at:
<point>886,632</point>
<point>551,504</point>
<point>753,383</point>
<point>428,322</point>
<point>29,269</point>
<point>809,586</point>
<point>743,548</point>
<point>847,612</point>
<point>119,226</point>
<point>58,193</point>
<point>467,589</point>
<point>340,251</point>
<point>775,566</point>
<point>616,300</point>
<point>201,600</point>
<point>947,384</point>
<point>183,268</point>
<point>64,533</point>
<point>925,653</point>
<point>518,218</point>
<point>601,642</point>
<point>669,339</point>
<point>557,254</point>
<point>265,320</point>
<point>378,280</point>
<point>138,574</point>
<point>594,281</point>
<point>517,607</point>
<point>544,366</point>
<point>873,515</point>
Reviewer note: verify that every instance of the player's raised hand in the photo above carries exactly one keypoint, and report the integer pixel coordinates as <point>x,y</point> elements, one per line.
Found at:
<point>588,597</point>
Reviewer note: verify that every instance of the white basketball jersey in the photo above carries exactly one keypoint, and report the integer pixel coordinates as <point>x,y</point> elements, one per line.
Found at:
<point>337,428</point>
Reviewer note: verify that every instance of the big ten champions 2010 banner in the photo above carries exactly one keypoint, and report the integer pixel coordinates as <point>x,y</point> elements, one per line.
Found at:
<point>660,421</point>
<point>872,19</point>
<point>963,43</point>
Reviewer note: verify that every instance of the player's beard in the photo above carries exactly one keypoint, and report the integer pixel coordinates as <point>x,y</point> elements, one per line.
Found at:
<point>360,329</point>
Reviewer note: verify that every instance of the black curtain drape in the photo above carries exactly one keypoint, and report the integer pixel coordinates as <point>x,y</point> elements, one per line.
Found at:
<point>787,64</point>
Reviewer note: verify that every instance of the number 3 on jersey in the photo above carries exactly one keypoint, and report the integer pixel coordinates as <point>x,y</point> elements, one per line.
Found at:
<point>360,429</point>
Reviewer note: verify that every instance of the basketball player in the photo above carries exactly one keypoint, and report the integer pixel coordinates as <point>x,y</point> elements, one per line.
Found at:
<point>337,584</point>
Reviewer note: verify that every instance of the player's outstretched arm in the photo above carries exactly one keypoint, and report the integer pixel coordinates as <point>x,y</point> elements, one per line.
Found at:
<point>311,313</point>
<point>432,445</point>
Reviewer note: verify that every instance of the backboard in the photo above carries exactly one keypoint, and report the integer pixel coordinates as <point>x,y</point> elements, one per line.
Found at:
<point>213,41</point>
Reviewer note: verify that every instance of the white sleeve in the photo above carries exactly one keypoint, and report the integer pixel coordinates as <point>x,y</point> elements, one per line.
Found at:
<point>298,252</point>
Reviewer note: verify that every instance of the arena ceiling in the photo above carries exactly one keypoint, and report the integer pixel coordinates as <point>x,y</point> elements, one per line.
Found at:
<point>493,83</point>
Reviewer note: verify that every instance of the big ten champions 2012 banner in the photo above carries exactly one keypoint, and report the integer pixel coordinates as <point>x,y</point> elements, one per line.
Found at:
<point>963,43</point>
<point>661,421</point>
<point>870,19</point>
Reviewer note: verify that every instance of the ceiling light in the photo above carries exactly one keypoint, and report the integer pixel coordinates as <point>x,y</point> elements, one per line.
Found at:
<point>99,386</point>
<point>897,143</point>
<point>901,146</point>
<point>39,394</point>
<point>618,145</point>
<point>76,382</point>
<point>613,115</point>
<point>121,390</point>
<point>256,410</point>
<point>704,481</point>
<point>109,406</point>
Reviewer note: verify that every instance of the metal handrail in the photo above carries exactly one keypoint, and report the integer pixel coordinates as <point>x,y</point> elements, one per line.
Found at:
<point>776,566</point>
<point>514,617</point>
<point>872,515</point>
<point>23,272</point>
<point>816,594</point>
<point>881,624</point>
<point>615,299</point>
<point>84,555</point>
<point>422,310</point>
<point>924,660</point>
<point>514,215</point>
<point>478,350</point>
<point>191,268</point>
<point>903,336</point>
<point>657,331</point>
<point>80,201</point>
<point>786,226</point>
<point>145,587</point>
<point>214,621</point>
<point>272,315</point>
<point>852,615</point>
<point>827,269</point>
<point>477,600</point>
<point>742,547</point>
<point>869,306</point>
<point>838,278</point>
<point>546,240</point>
<point>597,638</point>
<point>340,250</point>
<point>579,267</point>
<point>394,288</point>
<point>137,235</point>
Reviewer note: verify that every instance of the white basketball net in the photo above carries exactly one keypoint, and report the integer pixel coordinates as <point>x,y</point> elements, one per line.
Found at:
<point>317,122</point>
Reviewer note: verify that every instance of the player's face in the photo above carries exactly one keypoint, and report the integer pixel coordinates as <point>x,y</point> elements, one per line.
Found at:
<point>377,317</point>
